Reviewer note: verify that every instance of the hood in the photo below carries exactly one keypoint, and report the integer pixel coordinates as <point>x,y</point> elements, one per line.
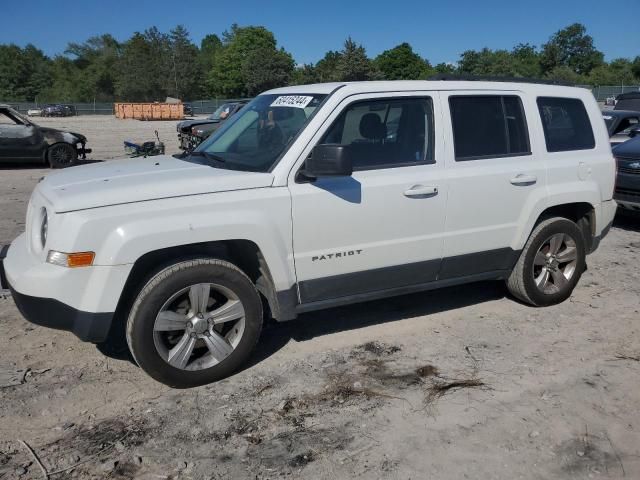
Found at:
<point>629,149</point>
<point>62,134</point>
<point>186,125</point>
<point>140,179</point>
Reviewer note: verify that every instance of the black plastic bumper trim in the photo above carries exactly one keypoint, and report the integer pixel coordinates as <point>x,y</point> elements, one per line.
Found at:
<point>4,284</point>
<point>48,312</point>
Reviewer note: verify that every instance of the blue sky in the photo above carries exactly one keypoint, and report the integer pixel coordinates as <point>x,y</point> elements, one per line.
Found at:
<point>439,30</point>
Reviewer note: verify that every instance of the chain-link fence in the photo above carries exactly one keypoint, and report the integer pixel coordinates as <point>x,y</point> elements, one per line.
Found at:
<point>205,107</point>
<point>200,107</point>
<point>610,91</point>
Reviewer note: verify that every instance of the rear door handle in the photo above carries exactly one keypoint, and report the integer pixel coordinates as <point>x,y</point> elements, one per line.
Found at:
<point>421,191</point>
<point>524,179</point>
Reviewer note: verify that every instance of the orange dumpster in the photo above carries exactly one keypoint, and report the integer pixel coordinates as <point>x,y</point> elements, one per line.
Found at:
<point>149,111</point>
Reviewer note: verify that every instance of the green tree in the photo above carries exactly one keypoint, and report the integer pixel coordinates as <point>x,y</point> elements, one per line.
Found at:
<point>616,72</point>
<point>210,47</point>
<point>136,82</point>
<point>95,61</point>
<point>186,70</point>
<point>24,72</point>
<point>564,73</point>
<point>232,74</point>
<point>326,70</point>
<point>635,68</point>
<point>65,80</point>
<point>445,69</point>
<point>526,61</point>
<point>266,68</point>
<point>402,63</point>
<point>354,65</point>
<point>304,75</point>
<point>571,47</point>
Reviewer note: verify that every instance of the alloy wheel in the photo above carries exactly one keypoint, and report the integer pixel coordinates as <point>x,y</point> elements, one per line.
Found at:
<point>199,326</point>
<point>555,263</point>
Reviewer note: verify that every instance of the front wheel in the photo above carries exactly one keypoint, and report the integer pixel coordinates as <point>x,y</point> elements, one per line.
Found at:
<point>550,264</point>
<point>62,155</point>
<point>194,322</point>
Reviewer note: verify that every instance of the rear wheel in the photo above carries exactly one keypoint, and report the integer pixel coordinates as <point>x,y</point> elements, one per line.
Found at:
<point>551,263</point>
<point>195,322</point>
<point>61,155</point>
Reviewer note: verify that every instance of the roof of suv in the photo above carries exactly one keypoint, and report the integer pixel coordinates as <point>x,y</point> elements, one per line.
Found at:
<point>408,85</point>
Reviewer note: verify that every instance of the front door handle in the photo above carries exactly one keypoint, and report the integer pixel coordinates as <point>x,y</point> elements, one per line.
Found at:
<point>421,191</point>
<point>523,179</point>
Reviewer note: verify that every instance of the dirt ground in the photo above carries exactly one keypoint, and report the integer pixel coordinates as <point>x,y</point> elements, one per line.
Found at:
<point>458,383</point>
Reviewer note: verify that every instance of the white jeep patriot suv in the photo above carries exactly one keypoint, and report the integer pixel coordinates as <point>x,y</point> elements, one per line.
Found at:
<point>315,196</point>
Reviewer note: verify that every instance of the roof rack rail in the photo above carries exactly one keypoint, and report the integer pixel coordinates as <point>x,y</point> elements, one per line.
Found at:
<point>483,78</point>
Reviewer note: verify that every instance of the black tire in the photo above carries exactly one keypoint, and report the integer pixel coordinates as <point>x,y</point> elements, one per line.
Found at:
<point>522,281</point>
<point>181,275</point>
<point>61,155</point>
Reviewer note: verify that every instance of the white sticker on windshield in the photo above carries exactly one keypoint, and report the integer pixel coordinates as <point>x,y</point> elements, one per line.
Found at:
<point>297,101</point>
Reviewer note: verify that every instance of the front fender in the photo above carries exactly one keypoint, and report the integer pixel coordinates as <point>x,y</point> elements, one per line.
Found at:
<point>122,234</point>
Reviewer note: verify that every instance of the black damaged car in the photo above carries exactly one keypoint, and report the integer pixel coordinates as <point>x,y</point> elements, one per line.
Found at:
<point>21,140</point>
<point>192,132</point>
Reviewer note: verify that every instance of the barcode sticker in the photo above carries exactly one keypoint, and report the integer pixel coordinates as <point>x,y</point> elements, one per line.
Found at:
<point>296,101</point>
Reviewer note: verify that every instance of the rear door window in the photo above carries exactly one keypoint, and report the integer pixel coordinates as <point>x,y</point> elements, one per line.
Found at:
<point>566,124</point>
<point>488,126</point>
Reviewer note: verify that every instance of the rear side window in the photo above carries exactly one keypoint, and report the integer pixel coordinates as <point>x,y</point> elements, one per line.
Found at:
<point>566,124</point>
<point>488,126</point>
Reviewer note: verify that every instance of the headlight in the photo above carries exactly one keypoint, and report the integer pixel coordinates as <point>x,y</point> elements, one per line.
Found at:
<point>71,260</point>
<point>44,226</point>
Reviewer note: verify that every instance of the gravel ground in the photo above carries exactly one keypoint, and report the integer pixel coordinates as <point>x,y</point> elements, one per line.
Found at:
<point>106,134</point>
<point>459,383</point>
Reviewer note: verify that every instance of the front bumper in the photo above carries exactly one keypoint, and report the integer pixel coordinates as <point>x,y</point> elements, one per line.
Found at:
<point>48,312</point>
<point>627,192</point>
<point>82,151</point>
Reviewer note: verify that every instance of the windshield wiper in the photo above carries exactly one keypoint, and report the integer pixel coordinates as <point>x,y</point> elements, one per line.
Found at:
<point>210,156</point>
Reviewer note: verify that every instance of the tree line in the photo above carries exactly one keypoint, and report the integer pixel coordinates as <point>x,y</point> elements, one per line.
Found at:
<point>245,61</point>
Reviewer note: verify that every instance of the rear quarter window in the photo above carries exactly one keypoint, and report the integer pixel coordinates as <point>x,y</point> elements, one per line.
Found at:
<point>566,124</point>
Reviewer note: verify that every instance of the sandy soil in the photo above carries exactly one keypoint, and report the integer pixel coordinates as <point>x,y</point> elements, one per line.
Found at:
<point>458,383</point>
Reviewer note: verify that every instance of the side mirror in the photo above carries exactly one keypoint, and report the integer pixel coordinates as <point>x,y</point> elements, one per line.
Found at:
<point>634,132</point>
<point>329,161</point>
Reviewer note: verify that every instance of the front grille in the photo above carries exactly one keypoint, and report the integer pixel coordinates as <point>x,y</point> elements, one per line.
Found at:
<point>632,171</point>
<point>627,192</point>
<point>624,165</point>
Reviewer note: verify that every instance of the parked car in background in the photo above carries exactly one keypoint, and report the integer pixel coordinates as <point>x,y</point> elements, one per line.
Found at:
<point>192,132</point>
<point>628,101</point>
<point>58,110</point>
<point>34,112</point>
<point>621,124</point>
<point>317,196</point>
<point>627,192</point>
<point>21,140</point>
<point>187,109</point>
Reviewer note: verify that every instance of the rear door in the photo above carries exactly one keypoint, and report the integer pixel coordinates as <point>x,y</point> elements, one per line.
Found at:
<point>381,228</point>
<point>494,180</point>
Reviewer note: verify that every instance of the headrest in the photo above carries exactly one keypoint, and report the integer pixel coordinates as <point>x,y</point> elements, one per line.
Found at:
<point>372,128</point>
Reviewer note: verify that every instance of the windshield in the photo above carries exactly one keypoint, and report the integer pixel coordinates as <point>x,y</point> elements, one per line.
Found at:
<point>18,116</point>
<point>222,112</point>
<point>608,120</point>
<point>257,135</point>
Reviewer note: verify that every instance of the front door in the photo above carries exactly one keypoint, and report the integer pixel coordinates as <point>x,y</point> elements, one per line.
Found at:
<point>17,139</point>
<point>381,228</point>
